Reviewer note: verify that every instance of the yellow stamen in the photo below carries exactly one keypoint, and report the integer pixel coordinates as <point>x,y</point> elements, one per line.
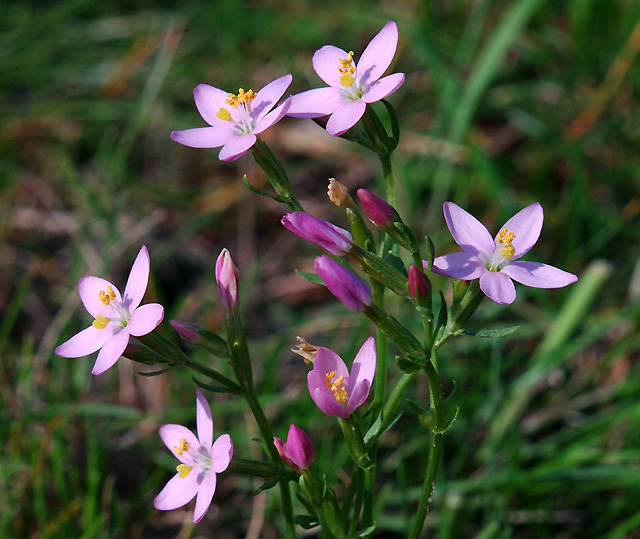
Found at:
<point>184,470</point>
<point>336,386</point>
<point>224,114</point>
<point>106,297</point>
<point>347,70</point>
<point>100,322</point>
<point>506,237</point>
<point>242,97</point>
<point>179,449</point>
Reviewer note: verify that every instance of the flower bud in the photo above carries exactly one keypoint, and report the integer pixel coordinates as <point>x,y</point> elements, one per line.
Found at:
<point>339,195</point>
<point>227,277</point>
<point>419,284</point>
<point>380,212</point>
<point>297,452</point>
<point>185,330</point>
<point>331,238</point>
<point>345,285</point>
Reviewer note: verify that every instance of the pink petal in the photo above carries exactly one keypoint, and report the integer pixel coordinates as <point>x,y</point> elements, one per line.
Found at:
<point>267,97</point>
<point>204,137</point>
<point>358,396</point>
<point>377,57</point>
<point>236,146</point>
<point>204,420</point>
<point>538,275</point>
<point>171,434</point>
<point>328,405</point>
<point>459,266</point>
<point>526,224</point>
<point>209,100</point>
<point>205,495</point>
<point>177,492</point>
<point>221,453</point>
<point>326,62</point>
<point>315,103</point>
<point>383,88</point>
<point>364,364</point>
<point>327,361</point>
<point>273,117</point>
<point>89,289</point>
<point>137,281</point>
<point>498,287</point>
<point>86,342</point>
<point>345,117</point>
<point>145,319</point>
<point>467,231</point>
<point>111,352</point>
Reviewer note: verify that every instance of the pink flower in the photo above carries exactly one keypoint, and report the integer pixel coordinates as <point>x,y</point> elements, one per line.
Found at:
<point>200,460</point>
<point>343,284</point>
<point>380,212</point>
<point>336,391</point>
<point>495,260</point>
<point>297,452</point>
<point>227,277</point>
<point>116,318</point>
<point>333,239</point>
<point>351,86</point>
<point>235,120</point>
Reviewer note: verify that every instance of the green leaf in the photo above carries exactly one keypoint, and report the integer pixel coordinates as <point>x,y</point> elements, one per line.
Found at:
<point>488,333</point>
<point>442,315</point>
<point>155,373</point>
<point>425,416</point>
<point>395,262</point>
<point>374,432</point>
<point>214,389</point>
<point>306,522</point>
<point>431,251</point>
<point>270,482</point>
<point>408,365</point>
<point>366,531</point>
<point>311,277</point>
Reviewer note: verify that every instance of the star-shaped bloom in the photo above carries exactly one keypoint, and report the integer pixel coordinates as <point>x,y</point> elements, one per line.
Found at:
<point>351,85</point>
<point>495,261</point>
<point>334,389</point>
<point>116,317</point>
<point>200,460</point>
<point>234,120</point>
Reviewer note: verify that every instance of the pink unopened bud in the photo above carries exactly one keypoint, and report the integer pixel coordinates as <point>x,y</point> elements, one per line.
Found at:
<point>419,284</point>
<point>185,330</point>
<point>379,211</point>
<point>331,238</point>
<point>227,277</point>
<point>297,452</point>
<point>345,285</point>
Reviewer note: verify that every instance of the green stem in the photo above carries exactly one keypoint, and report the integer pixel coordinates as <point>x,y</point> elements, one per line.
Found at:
<point>263,424</point>
<point>380,383</point>
<point>389,179</point>
<point>255,468</point>
<point>214,375</point>
<point>287,508</point>
<point>394,398</point>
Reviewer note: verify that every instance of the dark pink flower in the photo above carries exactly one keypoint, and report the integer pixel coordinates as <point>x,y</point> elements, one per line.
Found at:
<point>297,452</point>
<point>333,239</point>
<point>345,285</point>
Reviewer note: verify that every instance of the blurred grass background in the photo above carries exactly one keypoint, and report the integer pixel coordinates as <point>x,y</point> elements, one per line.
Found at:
<point>506,102</point>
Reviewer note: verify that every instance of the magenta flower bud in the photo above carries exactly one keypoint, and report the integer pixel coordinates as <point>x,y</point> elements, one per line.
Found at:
<point>297,452</point>
<point>380,212</point>
<point>227,277</point>
<point>185,330</point>
<point>331,238</point>
<point>419,284</point>
<point>346,286</point>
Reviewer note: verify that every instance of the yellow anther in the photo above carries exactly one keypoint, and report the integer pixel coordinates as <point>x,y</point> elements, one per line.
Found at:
<point>100,322</point>
<point>506,237</point>
<point>347,70</point>
<point>242,97</point>
<point>184,470</point>
<point>336,386</point>
<point>329,378</point>
<point>179,449</point>
<point>224,114</point>
<point>106,297</point>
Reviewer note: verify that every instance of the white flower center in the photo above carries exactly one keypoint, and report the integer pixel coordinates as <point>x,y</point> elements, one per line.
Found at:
<point>242,103</point>
<point>195,457</point>
<point>503,251</point>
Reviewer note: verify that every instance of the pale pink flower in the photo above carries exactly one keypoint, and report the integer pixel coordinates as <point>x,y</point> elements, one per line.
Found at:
<point>200,460</point>
<point>334,389</point>
<point>234,120</point>
<point>495,260</point>
<point>227,277</point>
<point>115,317</point>
<point>351,85</point>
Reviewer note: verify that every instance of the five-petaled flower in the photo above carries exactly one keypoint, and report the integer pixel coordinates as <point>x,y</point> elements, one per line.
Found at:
<point>495,260</point>
<point>116,317</point>
<point>351,86</point>
<point>336,391</point>
<point>234,120</point>
<point>200,460</point>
